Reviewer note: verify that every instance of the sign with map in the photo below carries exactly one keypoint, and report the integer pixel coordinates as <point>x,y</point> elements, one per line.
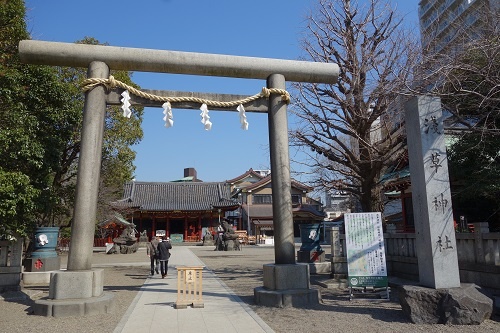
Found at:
<point>365,250</point>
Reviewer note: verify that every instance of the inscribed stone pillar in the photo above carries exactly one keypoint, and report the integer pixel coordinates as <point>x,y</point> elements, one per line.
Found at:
<point>435,233</point>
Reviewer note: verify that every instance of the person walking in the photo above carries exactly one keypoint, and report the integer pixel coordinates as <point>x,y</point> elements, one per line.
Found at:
<point>152,252</point>
<point>164,247</point>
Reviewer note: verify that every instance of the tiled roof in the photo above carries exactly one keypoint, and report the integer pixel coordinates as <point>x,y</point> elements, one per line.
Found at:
<point>250,172</point>
<point>308,210</point>
<point>396,180</point>
<point>116,219</point>
<point>259,211</point>
<point>265,211</point>
<point>268,179</point>
<point>171,196</point>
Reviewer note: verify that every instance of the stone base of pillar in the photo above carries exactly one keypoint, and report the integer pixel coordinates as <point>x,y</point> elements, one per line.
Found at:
<point>297,298</point>
<point>75,293</point>
<point>286,285</point>
<point>232,245</point>
<point>208,242</point>
<point>75,307</point>
<point>464,305</point>
<point>339,268</point>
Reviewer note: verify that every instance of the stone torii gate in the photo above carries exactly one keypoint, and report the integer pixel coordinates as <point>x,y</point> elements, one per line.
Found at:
<point>79,290</point>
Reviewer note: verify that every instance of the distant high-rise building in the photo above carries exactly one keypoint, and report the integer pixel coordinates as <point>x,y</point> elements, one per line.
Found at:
<point>446,24</point>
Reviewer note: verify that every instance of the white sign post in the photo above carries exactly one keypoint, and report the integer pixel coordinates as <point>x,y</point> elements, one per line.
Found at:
<point>160,233</point>
<point>366,262</point>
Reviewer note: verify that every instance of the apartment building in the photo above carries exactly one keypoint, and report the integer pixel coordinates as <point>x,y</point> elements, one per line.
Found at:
<point>446,24</point>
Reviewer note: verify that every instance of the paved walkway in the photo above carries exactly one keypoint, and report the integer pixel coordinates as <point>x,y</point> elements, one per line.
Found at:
<point>153,308</point>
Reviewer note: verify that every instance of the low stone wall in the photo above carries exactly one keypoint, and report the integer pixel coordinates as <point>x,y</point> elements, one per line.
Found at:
<point>478,256</point>
<point>10,265</point>
<point>487,276</point>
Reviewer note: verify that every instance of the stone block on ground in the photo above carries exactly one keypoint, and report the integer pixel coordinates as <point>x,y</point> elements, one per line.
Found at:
<point>36,278</point>
<point>331,283</point>
<point>496,304</point>
<point>208,242</point>
<point>465,305</point>
<point>297,298</point>
<point>320,267</point>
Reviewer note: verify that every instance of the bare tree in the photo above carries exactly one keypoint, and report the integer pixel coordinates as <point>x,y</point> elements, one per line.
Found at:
<point>352,129</point>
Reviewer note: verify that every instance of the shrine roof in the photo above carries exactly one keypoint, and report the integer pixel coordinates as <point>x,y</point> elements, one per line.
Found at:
<point>396,180</point>
<point>176,196</point>
<point>116,219</point>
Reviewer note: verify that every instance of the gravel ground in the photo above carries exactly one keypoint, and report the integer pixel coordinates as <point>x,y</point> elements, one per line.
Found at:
<point>242,272</point>
<point>124,282</point>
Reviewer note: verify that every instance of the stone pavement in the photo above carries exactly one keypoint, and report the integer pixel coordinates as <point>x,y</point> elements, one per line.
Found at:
<point>153,308</point>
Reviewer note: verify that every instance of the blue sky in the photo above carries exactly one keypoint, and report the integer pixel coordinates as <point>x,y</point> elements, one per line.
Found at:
<point>257,28</point>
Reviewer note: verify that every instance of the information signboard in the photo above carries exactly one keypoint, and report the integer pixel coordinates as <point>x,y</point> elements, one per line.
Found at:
<point>365,250</point>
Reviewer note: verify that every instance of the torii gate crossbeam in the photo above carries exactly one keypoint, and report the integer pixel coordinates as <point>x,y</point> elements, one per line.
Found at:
<point>174,62</point>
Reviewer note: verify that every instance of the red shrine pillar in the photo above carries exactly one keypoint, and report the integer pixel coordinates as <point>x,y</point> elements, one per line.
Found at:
<point>200,235</point>
<point>185,227</point>
<point>153,227</point>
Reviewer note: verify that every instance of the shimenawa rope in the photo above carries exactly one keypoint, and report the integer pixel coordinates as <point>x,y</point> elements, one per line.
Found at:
<point>111,83</point>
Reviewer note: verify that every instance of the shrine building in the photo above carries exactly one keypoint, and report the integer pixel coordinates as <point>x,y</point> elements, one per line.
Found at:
<point>182,210</point>
<point>186,209</point>
<point>253,189</point>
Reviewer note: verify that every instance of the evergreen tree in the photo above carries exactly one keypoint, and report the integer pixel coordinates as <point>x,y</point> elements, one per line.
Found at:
<point>40,124</point>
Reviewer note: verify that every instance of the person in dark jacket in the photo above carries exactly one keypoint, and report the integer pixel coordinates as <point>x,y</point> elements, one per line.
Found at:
<point>152,252</point>
<point>164,247</point>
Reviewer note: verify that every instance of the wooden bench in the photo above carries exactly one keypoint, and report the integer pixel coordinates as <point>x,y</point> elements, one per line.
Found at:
<point>242,236</point>
<point>194,238</point>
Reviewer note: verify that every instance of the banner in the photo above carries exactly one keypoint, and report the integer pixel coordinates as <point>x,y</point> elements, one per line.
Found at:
<point>365,250</point>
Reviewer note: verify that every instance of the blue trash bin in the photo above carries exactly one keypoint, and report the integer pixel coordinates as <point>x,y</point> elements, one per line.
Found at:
<point>45,242</point>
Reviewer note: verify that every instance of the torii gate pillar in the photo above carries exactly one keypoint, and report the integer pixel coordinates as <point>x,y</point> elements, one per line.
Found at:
<point>286,283</point>
<point>80,289</point>
<point>87,186</point>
